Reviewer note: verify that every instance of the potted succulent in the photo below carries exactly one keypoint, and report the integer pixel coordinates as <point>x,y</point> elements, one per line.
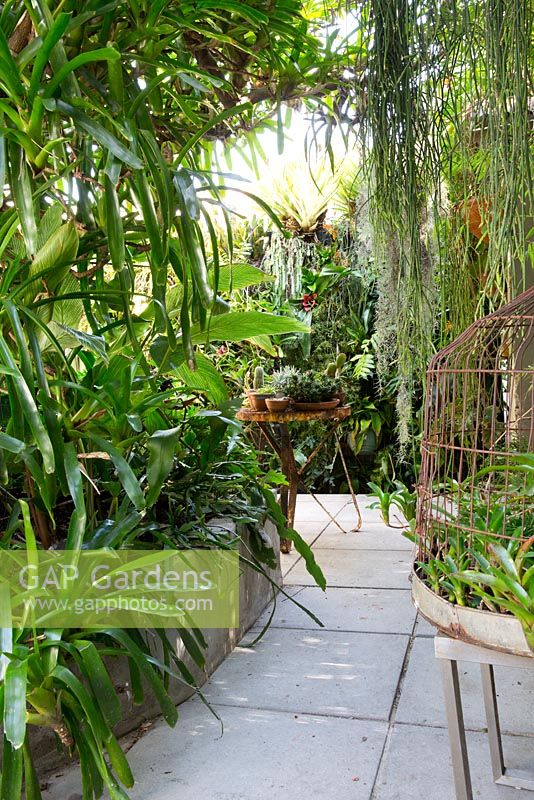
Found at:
<point>309,391</point>
<point>259,393</point>
<point>280,382</point>
<point>284,380</point>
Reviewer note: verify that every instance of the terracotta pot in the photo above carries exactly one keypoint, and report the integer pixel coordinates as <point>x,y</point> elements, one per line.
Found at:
<point>277,403</point>
<point>326,405</point>
<point>476,213</point>
<point>257,400</point>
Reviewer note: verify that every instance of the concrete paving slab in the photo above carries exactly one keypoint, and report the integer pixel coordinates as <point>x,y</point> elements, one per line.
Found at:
<point>288,561</point>
<point>261,755</point>
<point>347,519</point>
<point>417,764</point>
<point>371,536</point>
<point>362,569</point>
<point>373,610</point>
<point>424,628</point>
<point>422,699</point>
<point>311,512</point>
<point>368,514</point>
<point>310,530</point>
<point>333,502</point>
<point>324,672</point>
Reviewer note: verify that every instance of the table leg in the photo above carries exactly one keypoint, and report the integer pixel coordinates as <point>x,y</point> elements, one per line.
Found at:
<point>349,482</point>
<point>455,721</point>
<point>283,448</point>
<point>290,470</point>
<point>492,716</point>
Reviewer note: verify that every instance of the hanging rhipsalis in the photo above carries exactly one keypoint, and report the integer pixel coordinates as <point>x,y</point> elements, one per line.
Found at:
<point>448,135</point>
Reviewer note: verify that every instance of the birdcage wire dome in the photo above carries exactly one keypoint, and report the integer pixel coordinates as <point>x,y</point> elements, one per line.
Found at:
<point>476,486</point>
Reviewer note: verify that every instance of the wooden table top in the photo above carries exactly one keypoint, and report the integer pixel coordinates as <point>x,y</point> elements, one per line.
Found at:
<point>291,415</point>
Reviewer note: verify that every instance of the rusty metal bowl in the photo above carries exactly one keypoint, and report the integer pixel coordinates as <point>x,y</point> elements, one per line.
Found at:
<point>485,628</point>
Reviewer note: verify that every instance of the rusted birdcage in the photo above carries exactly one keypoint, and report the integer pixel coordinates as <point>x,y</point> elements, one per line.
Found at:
<point>475,519</point>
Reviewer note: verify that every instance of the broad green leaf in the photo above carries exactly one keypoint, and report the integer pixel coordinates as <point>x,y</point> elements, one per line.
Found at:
<point>133,651</point>
<point>239,276</point>
<point>68,679</point>
<point>239,325</point>
<point>11,444</point>
<point>56,256</point>
<point>126,475</point>
<point>78,518</point>
<point>32,789</point>
<point>205,378</point>
<point>15,702</point>
<point>49,223</point>
<point>11,772</point>
<point>111,533</point>
<point>119,762</point>
<point>184,184</point>
<point>96,344</point>
<point>264,343</point>
<point>101,684</point>
<point>191,236</point>
<point>161,446</point>
<point>68,310</point>
<point>29,408</point>
<point>506,560</point>
<point>166,356</point>
<point>23,195</point>
<point>102,54</point>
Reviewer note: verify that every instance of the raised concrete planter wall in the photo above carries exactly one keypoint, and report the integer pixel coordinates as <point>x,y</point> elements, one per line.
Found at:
<point>255,594</point>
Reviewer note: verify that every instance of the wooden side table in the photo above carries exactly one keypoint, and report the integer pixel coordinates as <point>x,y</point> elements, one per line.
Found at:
<point>275,427</point>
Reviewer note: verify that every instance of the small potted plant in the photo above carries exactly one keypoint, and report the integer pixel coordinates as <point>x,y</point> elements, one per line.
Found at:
<point>276,404</point>
<point>309,391</point>
<point>334,370</point>
<point>284,380</point>
<point>281,382</point>
<point>259,393</point>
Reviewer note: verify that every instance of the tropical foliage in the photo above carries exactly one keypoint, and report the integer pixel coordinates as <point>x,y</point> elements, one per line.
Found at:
<point>109,294</point>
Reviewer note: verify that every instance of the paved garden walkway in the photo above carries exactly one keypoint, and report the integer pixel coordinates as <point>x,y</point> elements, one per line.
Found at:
<point>352,710</point>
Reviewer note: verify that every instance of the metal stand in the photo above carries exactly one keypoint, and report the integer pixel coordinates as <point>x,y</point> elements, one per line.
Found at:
<point>450,651</point>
